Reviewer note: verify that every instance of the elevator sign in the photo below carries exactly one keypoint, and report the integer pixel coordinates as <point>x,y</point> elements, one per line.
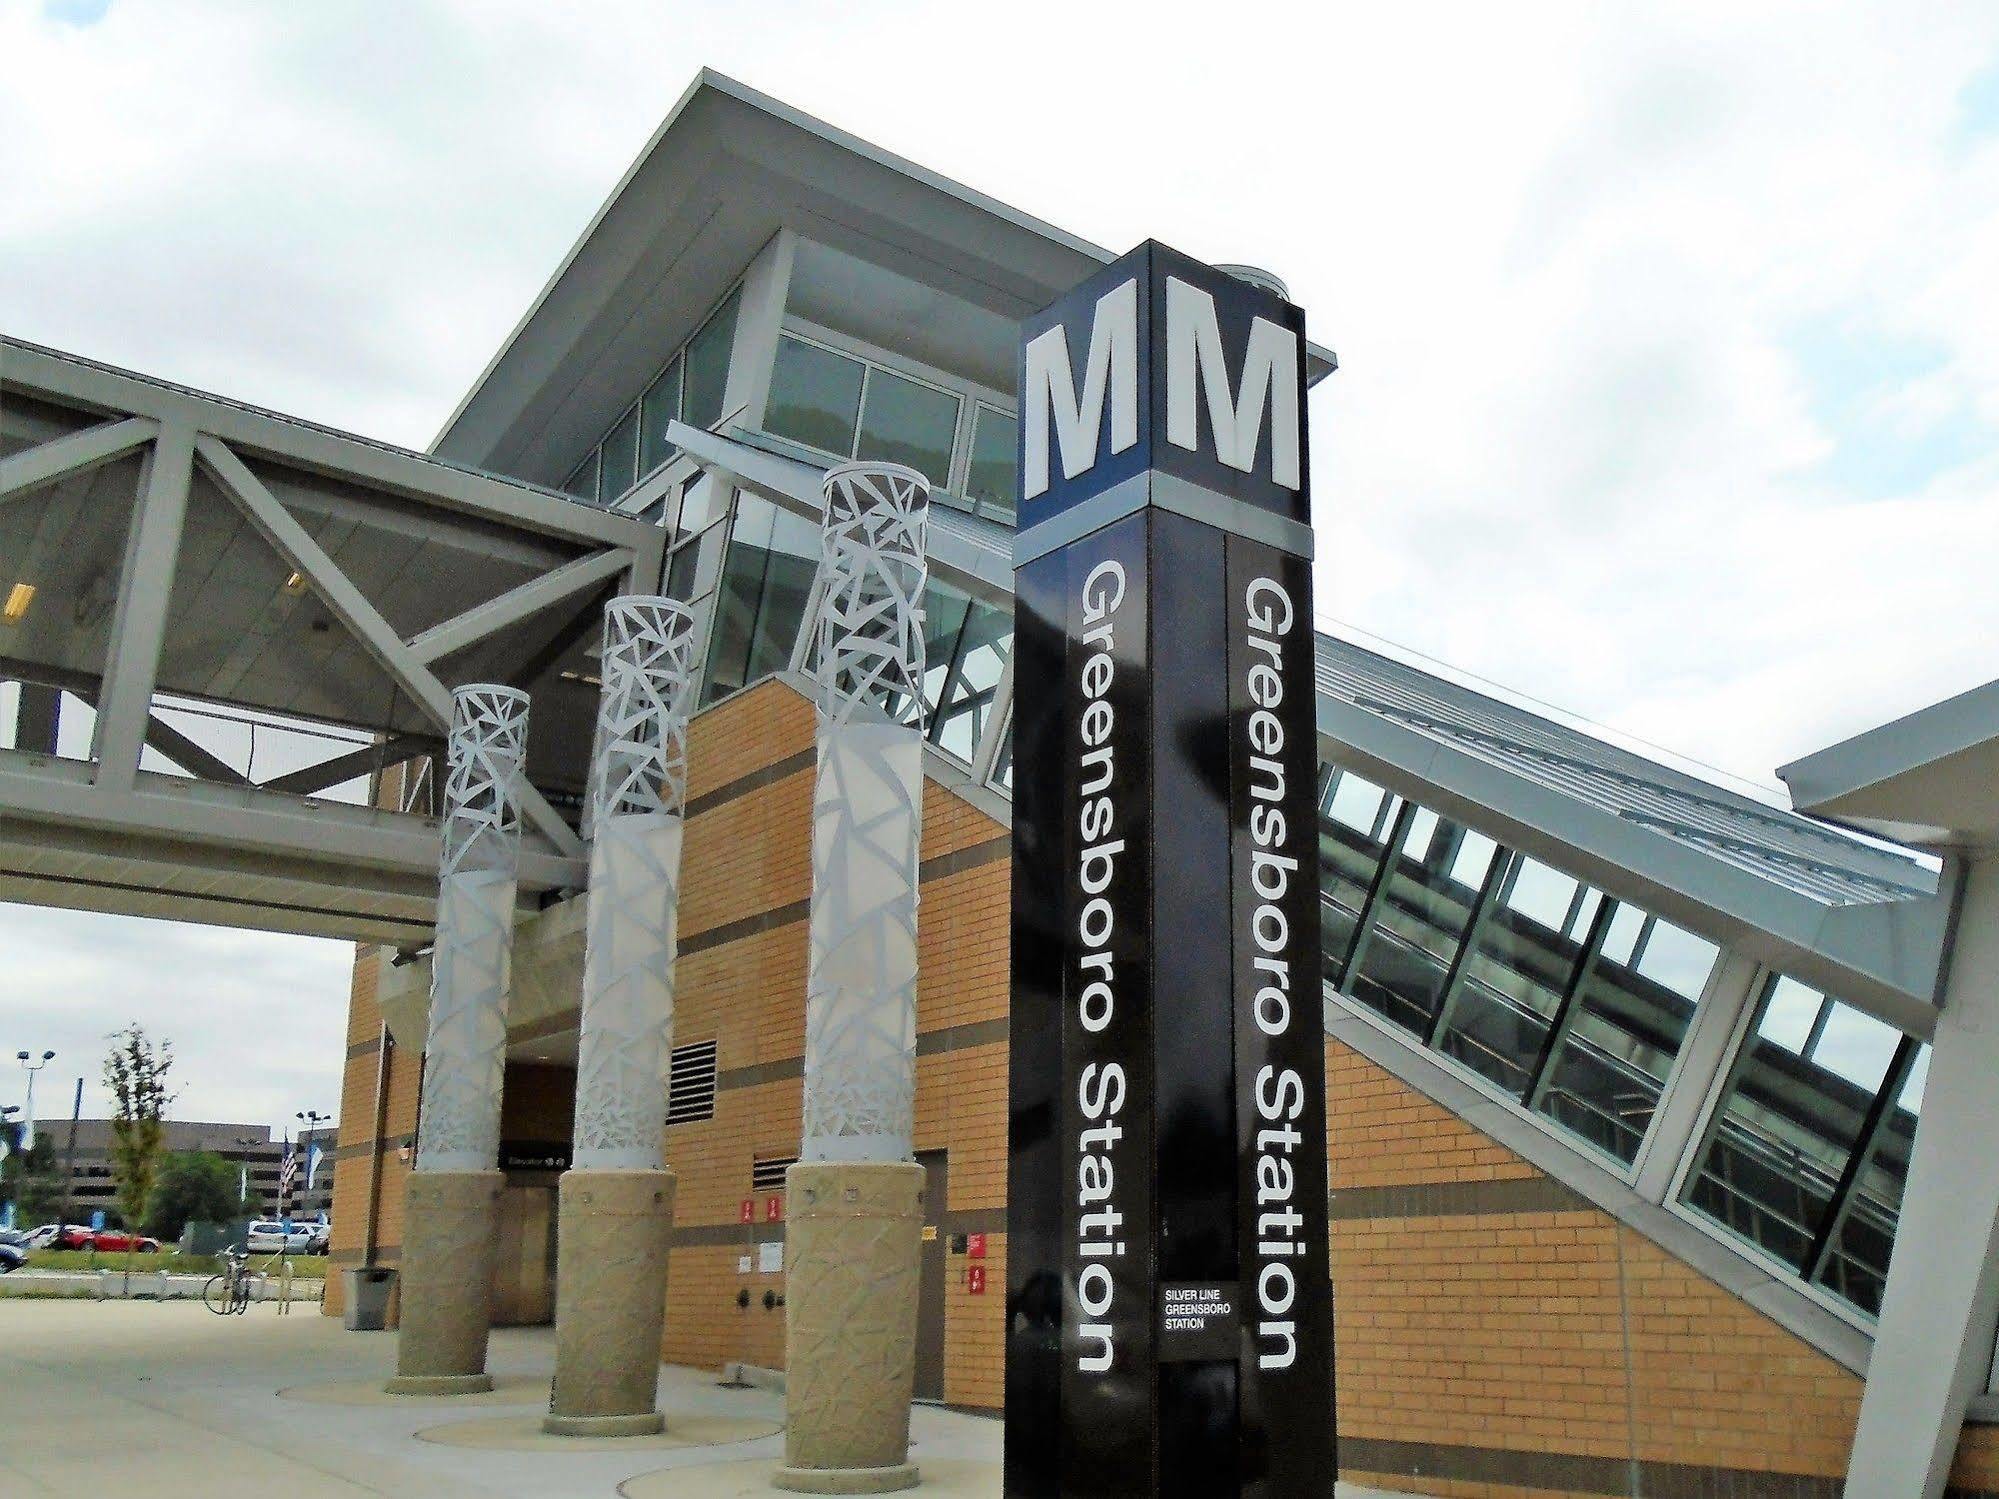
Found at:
<point>1169,1308</point>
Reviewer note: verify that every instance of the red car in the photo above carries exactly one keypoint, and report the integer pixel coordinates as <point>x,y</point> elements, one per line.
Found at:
<point>117,1240</point>
<point>75,1236</point>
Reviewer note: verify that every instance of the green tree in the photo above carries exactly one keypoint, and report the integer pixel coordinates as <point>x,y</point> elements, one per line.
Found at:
<point>28,1178</point>
<point>135,1072</point>
<point>194,1186</point>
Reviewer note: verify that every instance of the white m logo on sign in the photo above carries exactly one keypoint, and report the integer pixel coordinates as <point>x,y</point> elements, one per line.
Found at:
<point>1269,375</point>
<point>1048,391</point>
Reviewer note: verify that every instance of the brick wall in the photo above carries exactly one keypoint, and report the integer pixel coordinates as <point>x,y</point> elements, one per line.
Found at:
<point>741,981</point>
<point>1499,1332</point>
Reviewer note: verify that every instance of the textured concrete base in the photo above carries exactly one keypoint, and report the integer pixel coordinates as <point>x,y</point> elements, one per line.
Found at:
<point>449,1220</point>
<point>943,1478</point>
<point>610,1311</point>
<point>852,1257</point>
<point>645,1424</point>
<point>847,1480</point>
<point>508,1389</point>
<point>439,1384</point>
<point>524,1433</point>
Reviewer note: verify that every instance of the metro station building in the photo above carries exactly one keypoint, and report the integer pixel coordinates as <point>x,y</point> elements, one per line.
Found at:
<point>1664,1156</point>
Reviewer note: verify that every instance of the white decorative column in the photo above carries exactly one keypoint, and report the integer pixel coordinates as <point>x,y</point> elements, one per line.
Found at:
<point>855,1199</point>
<point>617,1198</point>
<point>449,1211</point>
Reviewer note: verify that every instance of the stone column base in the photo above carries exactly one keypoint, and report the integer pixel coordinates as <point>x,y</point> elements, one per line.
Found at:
<point>610,1302</point>
<point>847,1480</point>
<point>853,1241</point>
<point>449,1219</point>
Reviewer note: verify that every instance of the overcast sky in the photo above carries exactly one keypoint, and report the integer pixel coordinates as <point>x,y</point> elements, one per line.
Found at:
<point>1669,342</point>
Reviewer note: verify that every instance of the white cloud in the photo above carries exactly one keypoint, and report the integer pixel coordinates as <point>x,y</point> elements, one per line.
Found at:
<point>1567,253</point>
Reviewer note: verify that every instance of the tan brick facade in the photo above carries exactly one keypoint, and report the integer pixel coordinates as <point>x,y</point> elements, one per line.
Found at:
<point>1497,1335</point>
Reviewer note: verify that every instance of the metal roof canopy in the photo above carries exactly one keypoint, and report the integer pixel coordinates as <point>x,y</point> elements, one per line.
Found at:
<point>182,543</point>
<point>1929,778</point>
<point>1867,923</point>
<point>726,170</point>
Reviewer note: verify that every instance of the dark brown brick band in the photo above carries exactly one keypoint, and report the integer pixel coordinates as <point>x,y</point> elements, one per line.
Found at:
<point>1577,1474</point>
<point>1466,1199</point>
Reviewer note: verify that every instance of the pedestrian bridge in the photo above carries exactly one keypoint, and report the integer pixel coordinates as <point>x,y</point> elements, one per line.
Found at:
<point>179,572</point>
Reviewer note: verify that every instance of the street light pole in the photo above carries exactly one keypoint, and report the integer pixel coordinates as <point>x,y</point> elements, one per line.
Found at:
<point>28,1114</point>
<point>312,1119</point>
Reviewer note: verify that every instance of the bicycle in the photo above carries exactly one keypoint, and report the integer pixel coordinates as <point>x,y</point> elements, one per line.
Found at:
<point>229,1291</point>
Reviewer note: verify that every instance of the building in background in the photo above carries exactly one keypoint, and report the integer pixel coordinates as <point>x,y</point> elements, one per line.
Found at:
<point>258,1157</point>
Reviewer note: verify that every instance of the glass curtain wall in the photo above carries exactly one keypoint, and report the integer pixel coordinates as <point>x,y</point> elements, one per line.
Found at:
<point>1576,1005</point>
<point>1572,1003</point>
<point>691,388</point>
<point>1808,1151</point>
<point>966,644</point>
<point>849,407</point>
<point>768,571</point>
<point>767,575</point>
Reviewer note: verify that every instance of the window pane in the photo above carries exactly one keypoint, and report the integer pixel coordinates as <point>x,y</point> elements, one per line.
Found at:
<point>1857,1266</point>
<point>904,422</point>
<point>621,457</point>
<point>680,570</point>
<point>707,360</point>
<point>1419,925</point>
<point>761,601</point>
<point>1604,1083</point>
<point>660,406</point>
<point>794,556</point>
<point>815,396</point>
<point>1516,976</point>
<point>989,474</point>
<point>582,481</point>
<point>966,644</point>
<point>1782,1137</point>
<point>1351,830</point>
<point>738,596</point>
<point>1003,758</point>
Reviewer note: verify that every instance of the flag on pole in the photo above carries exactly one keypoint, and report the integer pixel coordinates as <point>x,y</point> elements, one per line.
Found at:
<point>312,1160</point>
<point>287,1177</point>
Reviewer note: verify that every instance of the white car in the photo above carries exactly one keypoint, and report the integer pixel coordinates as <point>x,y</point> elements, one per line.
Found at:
<point>41,1238</point>
<point>268,1236</point>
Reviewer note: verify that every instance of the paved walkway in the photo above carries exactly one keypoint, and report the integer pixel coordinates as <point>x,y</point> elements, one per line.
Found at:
<point>168,1401</point>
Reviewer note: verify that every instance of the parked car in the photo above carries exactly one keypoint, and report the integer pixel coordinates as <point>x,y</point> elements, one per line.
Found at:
<point>41,1238</point>
<point>268,1236</point>
<point>12,1257</point>
<point>73,1236</point>
<point>117,1240</point>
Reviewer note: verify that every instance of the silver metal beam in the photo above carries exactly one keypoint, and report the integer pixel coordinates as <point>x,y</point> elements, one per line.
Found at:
<point>369,757</point>
<point>68,380</point>
<point>345,601</point>
<point>517,604</point>
<point>73,454</point>
<point>139,626</point>
<point>246,820</point>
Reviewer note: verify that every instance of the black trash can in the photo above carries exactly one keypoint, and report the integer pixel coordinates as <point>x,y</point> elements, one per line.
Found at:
<point>368,1292</point>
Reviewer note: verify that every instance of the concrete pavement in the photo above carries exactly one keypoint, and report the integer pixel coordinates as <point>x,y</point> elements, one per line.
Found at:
<point>169,1401</point>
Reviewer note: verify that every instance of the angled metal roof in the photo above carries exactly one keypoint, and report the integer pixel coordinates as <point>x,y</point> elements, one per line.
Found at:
<point>725,171</point>
<point>1793,852</point>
